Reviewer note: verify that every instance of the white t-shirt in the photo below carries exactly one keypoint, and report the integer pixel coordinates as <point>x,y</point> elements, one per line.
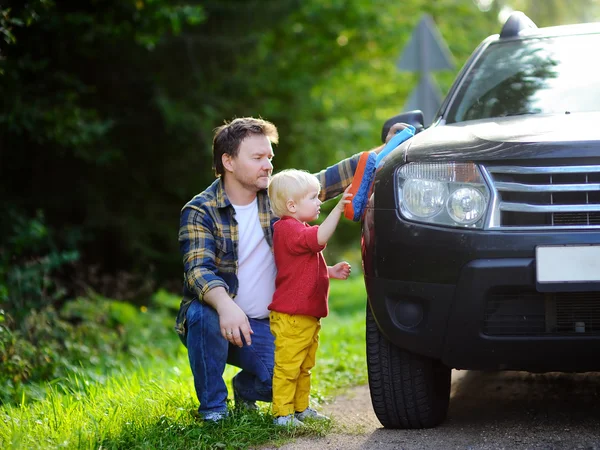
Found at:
<point>256,265</point>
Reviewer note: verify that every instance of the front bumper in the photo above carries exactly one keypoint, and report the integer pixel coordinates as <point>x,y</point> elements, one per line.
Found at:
<point>469,297</point>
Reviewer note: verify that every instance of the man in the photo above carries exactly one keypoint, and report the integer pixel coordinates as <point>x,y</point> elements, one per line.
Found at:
<point>225,237</point>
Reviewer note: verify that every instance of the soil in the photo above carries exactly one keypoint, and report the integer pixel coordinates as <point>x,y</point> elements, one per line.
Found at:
<point>488,411</point>
<point>354,421</point>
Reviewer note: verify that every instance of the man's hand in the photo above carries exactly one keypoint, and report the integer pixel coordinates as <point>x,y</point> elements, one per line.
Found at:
<point>234,324</point>
<point>395,129</point>
<point>341,271</point>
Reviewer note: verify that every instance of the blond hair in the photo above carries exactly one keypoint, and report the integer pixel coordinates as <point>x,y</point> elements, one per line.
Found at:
<point>290,184</point>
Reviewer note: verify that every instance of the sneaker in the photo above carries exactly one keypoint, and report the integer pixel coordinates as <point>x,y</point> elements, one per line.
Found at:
<point>310,413</point>
<point>241,402</point>
<point>214,417</point>
<point>287,421</point>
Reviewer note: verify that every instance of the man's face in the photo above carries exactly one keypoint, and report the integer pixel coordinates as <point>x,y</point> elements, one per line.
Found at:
<point>252,167</point>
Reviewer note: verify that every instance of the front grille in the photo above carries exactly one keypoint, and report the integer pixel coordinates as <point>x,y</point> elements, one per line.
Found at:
<point>532,313</point>
<point>545,197</point>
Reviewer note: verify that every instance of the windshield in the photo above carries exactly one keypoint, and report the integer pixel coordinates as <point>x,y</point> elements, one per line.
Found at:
<point>551,75</point>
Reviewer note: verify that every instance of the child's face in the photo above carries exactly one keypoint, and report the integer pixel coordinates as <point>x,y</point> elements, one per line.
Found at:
<point>309,206</point>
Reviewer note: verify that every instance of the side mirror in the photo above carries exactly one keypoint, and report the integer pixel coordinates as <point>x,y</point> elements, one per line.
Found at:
<point>414,118</point>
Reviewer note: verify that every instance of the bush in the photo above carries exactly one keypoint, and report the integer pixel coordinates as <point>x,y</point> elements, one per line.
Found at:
<point>31,265</point>
<point>94,336</point>
<point>43,335</point>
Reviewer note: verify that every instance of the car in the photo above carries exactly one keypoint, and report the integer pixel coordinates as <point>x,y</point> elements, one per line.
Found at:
<point>481,238</point>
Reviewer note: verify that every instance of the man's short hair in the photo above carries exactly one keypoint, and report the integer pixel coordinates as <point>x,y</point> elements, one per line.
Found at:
<point>290,184</point>
<point>228,138</point>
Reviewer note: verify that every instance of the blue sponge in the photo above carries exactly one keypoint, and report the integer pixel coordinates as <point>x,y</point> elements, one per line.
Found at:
<point>359,201</point>
<point>365,172</point>
<point>399,138</point>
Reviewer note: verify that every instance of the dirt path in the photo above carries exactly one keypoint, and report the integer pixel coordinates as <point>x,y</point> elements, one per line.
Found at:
<point>355,423</point>
<point>488,411</point>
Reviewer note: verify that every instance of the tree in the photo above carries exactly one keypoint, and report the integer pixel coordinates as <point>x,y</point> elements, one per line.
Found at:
<point>109,105</point>
<point>550,12</point>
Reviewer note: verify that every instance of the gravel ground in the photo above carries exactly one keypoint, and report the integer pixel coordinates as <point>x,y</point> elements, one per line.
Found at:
<point>488,410</point>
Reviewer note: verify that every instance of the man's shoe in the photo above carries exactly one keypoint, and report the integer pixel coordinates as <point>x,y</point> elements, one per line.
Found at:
<point>287,421</point>
<point>241,402</point>
<point>310,413</point>
<point>215,417</point>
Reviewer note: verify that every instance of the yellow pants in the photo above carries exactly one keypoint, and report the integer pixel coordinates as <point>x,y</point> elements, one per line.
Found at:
<point>296,343</point>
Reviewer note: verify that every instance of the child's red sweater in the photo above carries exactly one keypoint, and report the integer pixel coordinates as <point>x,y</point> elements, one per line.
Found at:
<point>302,283</point>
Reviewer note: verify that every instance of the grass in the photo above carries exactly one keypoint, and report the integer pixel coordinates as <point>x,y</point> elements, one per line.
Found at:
<point>154,405</point>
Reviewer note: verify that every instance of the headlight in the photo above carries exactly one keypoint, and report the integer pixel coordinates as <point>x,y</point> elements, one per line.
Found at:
<point>424,198</point>
<point>452,194</point>
<point>466,205</point>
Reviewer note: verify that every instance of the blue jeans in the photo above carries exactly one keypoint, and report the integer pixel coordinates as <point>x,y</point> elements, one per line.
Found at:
<point>209,352</point>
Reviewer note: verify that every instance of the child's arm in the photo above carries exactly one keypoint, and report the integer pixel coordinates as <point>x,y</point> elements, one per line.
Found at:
<point>328,226</point>
<point>341,271</point>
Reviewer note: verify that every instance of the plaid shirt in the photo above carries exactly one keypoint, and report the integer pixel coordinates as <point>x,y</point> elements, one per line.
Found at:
<point>208,234</point>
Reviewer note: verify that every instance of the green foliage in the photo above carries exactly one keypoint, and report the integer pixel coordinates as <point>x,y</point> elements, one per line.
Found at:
<point>348,297</point>
<point>141,409</point>
<point>80,124</point>
<point>150,402</point>
<point>335,78</point>
<point>166,300</point>
<point>24,16</point>
<point>15,355</point>
<point>554,12</point>
<point>31,258</point>
<point>93,336</point>
<point>109,106</point>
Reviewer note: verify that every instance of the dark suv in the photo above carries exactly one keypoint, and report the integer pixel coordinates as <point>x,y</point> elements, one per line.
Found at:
<point>481,241</point>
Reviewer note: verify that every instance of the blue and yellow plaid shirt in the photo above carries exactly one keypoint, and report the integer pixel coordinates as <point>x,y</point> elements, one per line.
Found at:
<point>208,234</point>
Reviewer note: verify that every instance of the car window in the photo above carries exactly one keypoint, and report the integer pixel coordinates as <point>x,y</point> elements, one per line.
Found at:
<point>535,76</point>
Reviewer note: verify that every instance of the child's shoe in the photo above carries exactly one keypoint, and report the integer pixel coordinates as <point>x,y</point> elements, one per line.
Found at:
<point>287,421</point>
<point>310,413</point>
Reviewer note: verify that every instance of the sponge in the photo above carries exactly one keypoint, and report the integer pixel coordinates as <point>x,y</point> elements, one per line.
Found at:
<point>365,174</point>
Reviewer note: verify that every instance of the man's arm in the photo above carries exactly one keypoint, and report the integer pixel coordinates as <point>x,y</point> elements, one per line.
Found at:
<point>335,179</point>
<point>197,245</point>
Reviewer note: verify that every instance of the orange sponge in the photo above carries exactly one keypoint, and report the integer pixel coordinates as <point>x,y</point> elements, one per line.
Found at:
<point>365,174</point>
<point>360,190</point>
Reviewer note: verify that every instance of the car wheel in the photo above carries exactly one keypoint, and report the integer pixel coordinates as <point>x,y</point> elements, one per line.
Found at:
<point>407,390</point>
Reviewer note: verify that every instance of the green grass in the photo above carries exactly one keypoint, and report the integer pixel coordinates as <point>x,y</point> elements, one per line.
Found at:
<point>154,405</point>
<point>348,297</point>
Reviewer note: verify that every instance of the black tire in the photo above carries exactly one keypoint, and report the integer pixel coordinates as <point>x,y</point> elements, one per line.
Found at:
<point>407,390</point>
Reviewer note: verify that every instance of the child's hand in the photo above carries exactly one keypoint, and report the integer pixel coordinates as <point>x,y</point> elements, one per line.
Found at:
<point>340,271</point>
<point>346,198</point>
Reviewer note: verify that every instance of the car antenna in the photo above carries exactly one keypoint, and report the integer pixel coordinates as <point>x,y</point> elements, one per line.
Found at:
<point>517,22</point>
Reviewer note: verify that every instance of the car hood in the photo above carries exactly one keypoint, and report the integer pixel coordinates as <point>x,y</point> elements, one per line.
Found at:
<point>517,137</point>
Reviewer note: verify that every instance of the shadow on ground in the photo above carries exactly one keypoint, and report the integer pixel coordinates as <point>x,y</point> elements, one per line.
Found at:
<point>488,410</point>
<point>497,410</point>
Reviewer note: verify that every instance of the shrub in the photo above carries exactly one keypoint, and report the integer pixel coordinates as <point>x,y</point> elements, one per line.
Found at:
<point>92,335</point>
<point>30,265</point>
